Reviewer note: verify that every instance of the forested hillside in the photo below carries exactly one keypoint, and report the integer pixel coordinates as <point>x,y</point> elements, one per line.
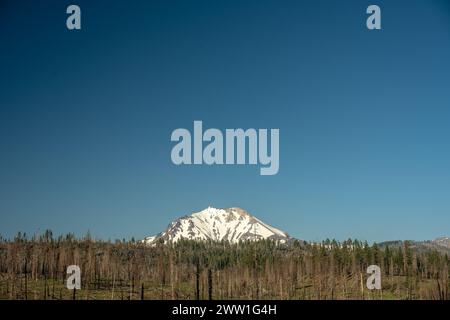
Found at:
<point>36,269</point>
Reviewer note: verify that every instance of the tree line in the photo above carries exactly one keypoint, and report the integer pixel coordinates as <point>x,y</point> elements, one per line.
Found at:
<point>35,268</point>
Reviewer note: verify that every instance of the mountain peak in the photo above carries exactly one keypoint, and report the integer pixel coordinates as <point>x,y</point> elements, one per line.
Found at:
<point>443,241</point>
<point>229,224</point>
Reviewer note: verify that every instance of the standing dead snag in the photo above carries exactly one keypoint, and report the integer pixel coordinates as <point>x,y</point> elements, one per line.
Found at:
<point>210,284</point>
<point>197,280</point>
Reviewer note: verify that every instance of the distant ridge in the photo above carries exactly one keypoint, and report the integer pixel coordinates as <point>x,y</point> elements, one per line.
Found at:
<point>440,244</point>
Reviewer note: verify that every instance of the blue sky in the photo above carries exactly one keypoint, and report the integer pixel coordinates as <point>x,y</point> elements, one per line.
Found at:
<point>364,116</point>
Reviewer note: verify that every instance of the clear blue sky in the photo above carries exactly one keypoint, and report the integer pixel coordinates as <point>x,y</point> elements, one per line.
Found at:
<point>364,116</point>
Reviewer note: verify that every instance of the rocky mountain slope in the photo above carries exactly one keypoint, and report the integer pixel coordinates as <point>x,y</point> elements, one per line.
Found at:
<point>231,224</point>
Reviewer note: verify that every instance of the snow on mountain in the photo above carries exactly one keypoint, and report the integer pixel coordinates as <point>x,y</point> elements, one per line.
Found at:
<point>231,224</point>
<point>444,242</point>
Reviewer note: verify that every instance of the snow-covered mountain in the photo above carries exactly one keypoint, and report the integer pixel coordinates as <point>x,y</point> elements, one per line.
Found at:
<point>231,224</point>
<point>443,242</point>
